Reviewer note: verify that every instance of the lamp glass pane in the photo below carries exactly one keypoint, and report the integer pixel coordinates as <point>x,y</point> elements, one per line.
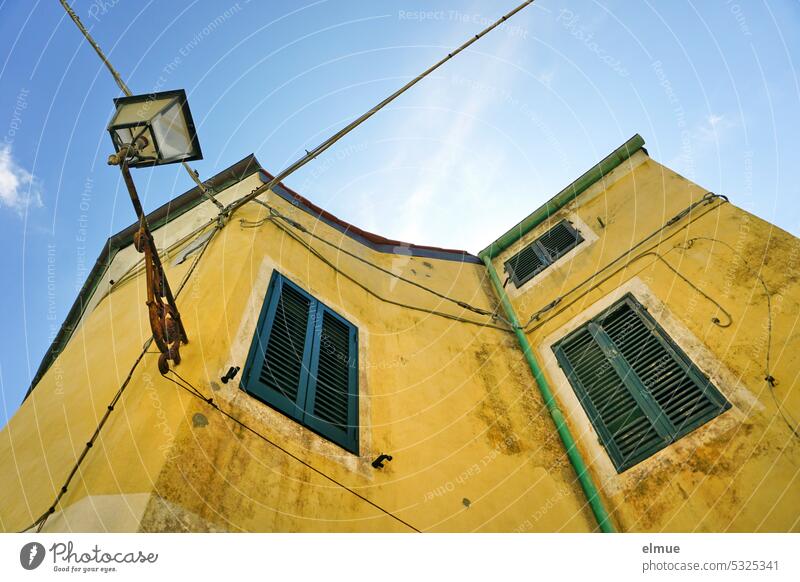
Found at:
<point>138,111</point>
<point>172,133</point>
<point>124,136</point>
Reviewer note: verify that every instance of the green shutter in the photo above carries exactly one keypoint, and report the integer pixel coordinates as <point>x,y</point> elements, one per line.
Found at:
<point>624,428</point>
<point>684,395</point>
<point>559,239</point>
<point>525,264</point>
<point>278,363</point>
<point>640,391</point>
<point>332,398</point>
<point>303,362</point>
<point>542,252</point>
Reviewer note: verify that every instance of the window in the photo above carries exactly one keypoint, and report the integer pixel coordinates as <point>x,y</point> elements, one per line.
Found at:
<point>640,391</point>
<point>303,362</point>
<point>542,252</point>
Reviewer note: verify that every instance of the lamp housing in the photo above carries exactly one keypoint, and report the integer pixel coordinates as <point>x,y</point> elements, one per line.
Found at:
<point>158,125</point>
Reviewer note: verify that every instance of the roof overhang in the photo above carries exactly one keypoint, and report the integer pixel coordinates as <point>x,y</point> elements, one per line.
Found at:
<point>567,195</point>
<point>190,199</point>
<point>159,217</point>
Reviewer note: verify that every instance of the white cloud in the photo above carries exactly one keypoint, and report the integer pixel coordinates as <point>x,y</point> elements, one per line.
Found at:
<point>19,189</point>
<point>711,131</point>
<point>705,138</point>
<point>546,78</point>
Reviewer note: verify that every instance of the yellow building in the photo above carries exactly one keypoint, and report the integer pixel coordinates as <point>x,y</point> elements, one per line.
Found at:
<point>625,358</point>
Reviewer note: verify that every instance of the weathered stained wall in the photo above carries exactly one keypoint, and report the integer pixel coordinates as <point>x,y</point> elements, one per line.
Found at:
<point>450,401</point>
<point>739,472</point>
<point>39,445</point>
<point>454,403</point>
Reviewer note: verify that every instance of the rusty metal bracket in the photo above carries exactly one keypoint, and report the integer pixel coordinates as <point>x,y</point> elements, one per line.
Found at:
<point>165,319</point>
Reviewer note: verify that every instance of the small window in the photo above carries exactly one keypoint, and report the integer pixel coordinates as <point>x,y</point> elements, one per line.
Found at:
<point>640,391</point>
<point>303,362</point>
<point>542,252</point>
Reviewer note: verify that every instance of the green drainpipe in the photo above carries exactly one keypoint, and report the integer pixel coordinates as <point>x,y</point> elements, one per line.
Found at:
<point>567,195</point>
<point>589,488</point>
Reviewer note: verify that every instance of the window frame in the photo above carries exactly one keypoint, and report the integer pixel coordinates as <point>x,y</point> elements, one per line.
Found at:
<point>545,258</point>
<point>644,400</point>
<point>306,392</point>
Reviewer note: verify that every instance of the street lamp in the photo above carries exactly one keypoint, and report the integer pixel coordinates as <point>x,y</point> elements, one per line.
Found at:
<point>153,130</point>
<point>162,125</point>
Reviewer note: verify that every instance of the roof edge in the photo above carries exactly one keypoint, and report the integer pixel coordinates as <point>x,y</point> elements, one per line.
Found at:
<point>565,196</point>
<point>185,202</point>
<point>368,239</point>
<point>156,219</point>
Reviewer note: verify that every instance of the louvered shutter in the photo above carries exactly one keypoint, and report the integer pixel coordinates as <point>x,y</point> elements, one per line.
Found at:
<point>558,240</point>
<point>525,264</point>
<point>303,362</point>
<point>624,428</point>
<point>682,393</point>
<point>542,252</point>
<point>638,389</point>
<point>277,369</point>
<point>332,400</point>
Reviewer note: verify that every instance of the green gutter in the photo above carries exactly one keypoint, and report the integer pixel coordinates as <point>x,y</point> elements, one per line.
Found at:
<point>567,195</point>
<point>586,481</point>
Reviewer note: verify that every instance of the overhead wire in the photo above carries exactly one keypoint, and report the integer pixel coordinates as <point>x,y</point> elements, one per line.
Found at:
<point>322,147</point>
<point>312,154</point>
<point>204,189</point>
<point>42,520</point>
<point>230,208</point>
<point>274,213</point>
<point>191,389</point>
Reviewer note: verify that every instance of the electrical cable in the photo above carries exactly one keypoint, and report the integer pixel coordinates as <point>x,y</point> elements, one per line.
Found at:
<point>206,191</point>
<point>366,288</point>
<point>793,426</point>
<point>312,154</point>
<point>188,387</point>
<point>138,267</point>
<point>644,254</point>
<point>40,522</point>
<point>707,199</point>
<point>274,213</point>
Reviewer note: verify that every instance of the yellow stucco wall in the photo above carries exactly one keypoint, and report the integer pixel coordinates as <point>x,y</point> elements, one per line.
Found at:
<point>739,472</point>
<point>453,403</point>
<point>450,401</point>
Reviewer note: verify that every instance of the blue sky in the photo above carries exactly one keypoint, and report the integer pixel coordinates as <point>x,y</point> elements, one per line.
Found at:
<point>712,86</point>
